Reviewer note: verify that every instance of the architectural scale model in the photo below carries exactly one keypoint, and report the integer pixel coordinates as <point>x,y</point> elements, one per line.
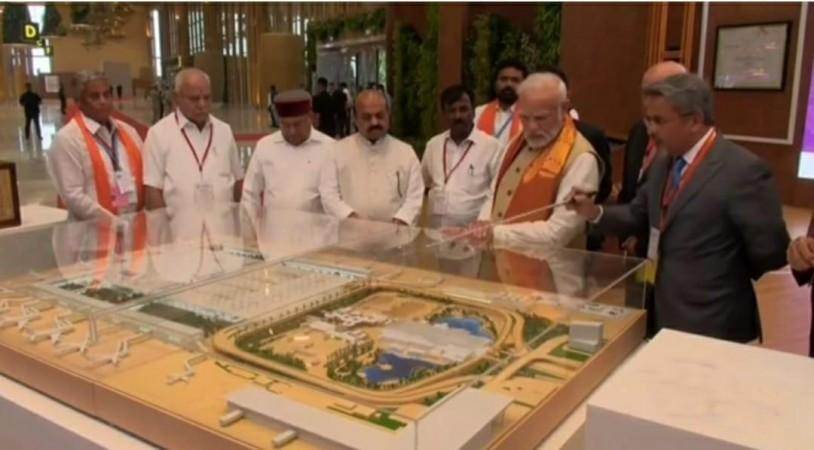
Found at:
<point>331,349</point>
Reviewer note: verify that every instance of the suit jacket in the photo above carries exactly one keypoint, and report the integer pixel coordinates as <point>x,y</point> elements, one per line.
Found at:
<point>724,230</point>
<point>635,149</point>
<point>600,144</point>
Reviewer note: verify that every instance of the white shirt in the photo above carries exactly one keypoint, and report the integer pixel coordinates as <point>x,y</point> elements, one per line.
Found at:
<point>378,181</point>
<point>169,164</point>
<point>71,169</point>
<point>459,199</point>
<point>562,226</point>
<point>501,119</point>
<point>689,157</point>
<point>287,176</point>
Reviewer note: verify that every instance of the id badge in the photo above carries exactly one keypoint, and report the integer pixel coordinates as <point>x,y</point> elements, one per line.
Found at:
<point>125,182</point>
<point>652,256</point>
<point>438,200</point>
<point>204,193</point>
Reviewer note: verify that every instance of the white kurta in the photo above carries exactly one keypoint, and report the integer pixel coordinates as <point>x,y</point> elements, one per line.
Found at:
<point>562,226</point>
<point>456,197</point>
<point>380,181</point>
<point>169,163</point>
<point>284,176</point>
<point>71,169</point>
<point>504,119</point>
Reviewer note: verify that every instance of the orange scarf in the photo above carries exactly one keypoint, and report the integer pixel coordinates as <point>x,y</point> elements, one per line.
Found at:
<point>541,179</point>
<point>101,179</point>
<point>486,123</point>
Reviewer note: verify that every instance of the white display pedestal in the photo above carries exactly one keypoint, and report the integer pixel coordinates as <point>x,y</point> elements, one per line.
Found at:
<point>683,391</point>
<point>36,215</point>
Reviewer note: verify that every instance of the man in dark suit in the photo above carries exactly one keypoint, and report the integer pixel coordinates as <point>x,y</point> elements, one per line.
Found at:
<point>639,155</point>
<point>324,109</point>
<point>599,142</point>
<point>713,212</point>
<point>30,102</point>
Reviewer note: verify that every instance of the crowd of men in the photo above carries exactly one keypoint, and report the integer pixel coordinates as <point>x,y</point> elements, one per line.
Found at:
<point>521,168</point>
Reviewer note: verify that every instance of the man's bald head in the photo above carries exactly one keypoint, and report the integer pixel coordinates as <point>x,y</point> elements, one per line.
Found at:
<point>372,114</point>
<point>193,95</point>
<point>661,71</point>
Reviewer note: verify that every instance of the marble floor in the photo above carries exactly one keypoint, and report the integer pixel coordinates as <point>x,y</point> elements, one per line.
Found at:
<point>785,308</point>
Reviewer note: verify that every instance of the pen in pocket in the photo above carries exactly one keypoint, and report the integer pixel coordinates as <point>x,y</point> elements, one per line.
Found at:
<point>398,183</point>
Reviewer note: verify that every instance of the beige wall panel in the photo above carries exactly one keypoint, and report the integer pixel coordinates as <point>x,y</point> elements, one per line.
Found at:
<point>211,62</point>
<point>71,56</point>
<point>281,61</point>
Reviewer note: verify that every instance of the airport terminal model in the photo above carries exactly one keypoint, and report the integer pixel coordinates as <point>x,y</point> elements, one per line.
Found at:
<point>325,350</point>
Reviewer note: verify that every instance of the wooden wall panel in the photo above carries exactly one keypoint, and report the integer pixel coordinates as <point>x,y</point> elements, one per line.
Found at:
<point>603,51</point>
<point>736,110</point>
<point>766,114</point>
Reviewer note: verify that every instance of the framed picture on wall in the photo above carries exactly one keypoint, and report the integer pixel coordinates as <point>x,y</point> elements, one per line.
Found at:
<point>752,57</point>
<point>9,197</point>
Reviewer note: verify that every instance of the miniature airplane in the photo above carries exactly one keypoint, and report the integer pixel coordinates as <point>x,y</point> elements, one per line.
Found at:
<point>114,358</point>
<point>62,328</point>
<point>188,372</point>
<point>81,346</point>
<point>28,315</point>
<point>122,350</point>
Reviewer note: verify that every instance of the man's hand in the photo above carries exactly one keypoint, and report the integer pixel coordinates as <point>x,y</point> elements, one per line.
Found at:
<point>352,215</point>
<point>399,222</point>
<point>480,231</point>
<point>629,246</point>
<point>453,232</point>
<point>582,202</point>
<point>801,254</point>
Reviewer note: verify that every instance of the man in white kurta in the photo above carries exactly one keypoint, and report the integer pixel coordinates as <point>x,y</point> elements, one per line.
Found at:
<point>284,171</point>
<point>459,164</point>
<point>543,103</point>
<point>372,175</point>
<point>71,160</point>
<point>191,157</point>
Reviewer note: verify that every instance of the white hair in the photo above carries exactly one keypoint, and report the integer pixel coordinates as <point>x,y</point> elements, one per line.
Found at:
<point>542,81</point>
<point>86,76</point>
<point>184,74</point>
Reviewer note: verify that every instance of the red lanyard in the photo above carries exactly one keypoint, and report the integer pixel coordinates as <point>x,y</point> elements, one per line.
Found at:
<point>649,156</point>
<point>670,192</point>
<point>198,161</point>
<point>447,175</point>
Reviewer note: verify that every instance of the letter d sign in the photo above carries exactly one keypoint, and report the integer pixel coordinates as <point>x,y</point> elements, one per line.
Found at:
<point>31,32</point>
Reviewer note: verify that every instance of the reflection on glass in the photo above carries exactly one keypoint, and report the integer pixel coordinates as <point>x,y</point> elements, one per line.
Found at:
<point>384,331</point>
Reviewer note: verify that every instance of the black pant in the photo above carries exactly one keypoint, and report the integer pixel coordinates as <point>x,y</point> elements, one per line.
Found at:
<point>32,118</point>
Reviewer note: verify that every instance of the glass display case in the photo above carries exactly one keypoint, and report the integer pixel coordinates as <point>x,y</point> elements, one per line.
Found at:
<point>217,330</point>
